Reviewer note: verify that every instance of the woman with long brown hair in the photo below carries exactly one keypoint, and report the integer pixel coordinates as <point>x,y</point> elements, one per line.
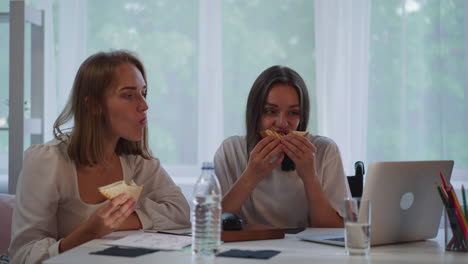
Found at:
<point>58,203</point>
<point>293,181</point>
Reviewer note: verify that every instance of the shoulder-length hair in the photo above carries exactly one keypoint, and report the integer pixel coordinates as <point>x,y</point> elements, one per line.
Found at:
<point>259,93</point>
<point>86,107</point>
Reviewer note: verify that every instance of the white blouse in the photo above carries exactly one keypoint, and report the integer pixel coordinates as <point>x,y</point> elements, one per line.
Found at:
<point>49,207</point>
<point>280,199</point>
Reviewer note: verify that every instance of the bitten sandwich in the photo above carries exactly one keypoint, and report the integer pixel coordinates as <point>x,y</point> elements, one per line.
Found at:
<point>269,132</point>
<point>114,189</point>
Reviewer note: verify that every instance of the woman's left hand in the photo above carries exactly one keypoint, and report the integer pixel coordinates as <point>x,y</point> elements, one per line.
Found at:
<point>302,152</point>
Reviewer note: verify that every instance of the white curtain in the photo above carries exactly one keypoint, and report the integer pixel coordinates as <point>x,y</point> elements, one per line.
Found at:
<point>391,80</point>
<point>342,55</point>
<point>210,80</point>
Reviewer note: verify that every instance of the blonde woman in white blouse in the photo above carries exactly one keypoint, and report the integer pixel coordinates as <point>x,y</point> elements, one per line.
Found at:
<point>58,203</point>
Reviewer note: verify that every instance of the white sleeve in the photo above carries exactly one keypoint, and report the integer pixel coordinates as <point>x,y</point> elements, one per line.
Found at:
<point>223,170</point>
<point>34,224</point>
<point>334,183</point>
<point>162,205</point>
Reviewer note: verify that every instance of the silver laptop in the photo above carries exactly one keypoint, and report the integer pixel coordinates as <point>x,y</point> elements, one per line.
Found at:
<point>405,203</point>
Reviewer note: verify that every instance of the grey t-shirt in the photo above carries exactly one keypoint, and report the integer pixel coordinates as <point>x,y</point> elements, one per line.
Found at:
<point>280,199</point>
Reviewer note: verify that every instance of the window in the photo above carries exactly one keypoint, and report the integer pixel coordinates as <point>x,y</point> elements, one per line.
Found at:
<point>165,36</point>
<point>202,58</point>
<point>417,84</point>
<point>260,34</point>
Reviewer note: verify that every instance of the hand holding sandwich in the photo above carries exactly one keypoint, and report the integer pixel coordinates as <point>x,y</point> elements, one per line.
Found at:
<point>106,219</point>
<point>109,217</point>
<point>302,153</point>
<point>265,156</point>
<point>275,145</point>
<point>261,162</point>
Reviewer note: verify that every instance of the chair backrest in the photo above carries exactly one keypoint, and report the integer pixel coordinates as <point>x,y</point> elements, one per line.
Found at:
<point>356,182</point>
<point>7,203</point>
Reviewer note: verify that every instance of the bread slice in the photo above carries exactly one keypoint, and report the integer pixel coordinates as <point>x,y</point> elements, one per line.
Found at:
<point>269,132</point>
<point>114,189</point>
<point>301,133</point>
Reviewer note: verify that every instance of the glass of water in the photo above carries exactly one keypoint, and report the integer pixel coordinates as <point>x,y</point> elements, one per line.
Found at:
<point>357,218</point>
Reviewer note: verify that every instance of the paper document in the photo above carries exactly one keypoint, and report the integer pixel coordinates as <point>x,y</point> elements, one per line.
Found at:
<point>153,241</point>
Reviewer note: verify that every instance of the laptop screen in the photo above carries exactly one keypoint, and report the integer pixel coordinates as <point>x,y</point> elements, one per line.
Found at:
<point>405,203</point>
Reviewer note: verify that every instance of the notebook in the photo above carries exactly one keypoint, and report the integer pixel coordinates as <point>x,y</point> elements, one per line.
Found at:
<point>405,203</point>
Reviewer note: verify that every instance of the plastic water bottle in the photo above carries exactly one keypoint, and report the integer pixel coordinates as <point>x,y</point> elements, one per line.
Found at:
<point>206,216</point>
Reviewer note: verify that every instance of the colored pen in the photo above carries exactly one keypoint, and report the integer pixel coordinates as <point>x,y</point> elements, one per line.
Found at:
<point>442,196</point>
<point>458,212</point>
<point>465,205</point>
<point>457,224</point>
<point>458,206</point>
<point>444,192</point>
<point>443,180</point>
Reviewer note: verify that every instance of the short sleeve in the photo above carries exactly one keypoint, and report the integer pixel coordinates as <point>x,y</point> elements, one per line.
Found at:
<point>334,182</point>
<point>230,161</point>
<point>221,170</point>
<point>34,225</point>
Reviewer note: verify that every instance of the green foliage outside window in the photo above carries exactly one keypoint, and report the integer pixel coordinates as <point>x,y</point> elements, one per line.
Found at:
<point>417,82</point>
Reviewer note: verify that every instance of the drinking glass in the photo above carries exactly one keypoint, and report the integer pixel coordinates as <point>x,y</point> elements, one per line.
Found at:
<point>357,218</point>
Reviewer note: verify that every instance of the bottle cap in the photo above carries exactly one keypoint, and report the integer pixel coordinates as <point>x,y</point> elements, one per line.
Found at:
<point>207,165</point>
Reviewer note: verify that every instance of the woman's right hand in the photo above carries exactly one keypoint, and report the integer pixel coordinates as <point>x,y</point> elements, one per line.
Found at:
<point>260,162</point>
<point>110,216</point>
<point>258,167</point>
<point>103,221</point>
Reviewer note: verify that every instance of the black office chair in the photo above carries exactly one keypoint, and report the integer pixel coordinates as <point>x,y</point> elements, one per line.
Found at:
<point>356,182</point>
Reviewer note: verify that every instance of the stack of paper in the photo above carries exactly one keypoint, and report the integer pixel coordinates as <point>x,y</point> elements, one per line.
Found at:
<point>153,241</point>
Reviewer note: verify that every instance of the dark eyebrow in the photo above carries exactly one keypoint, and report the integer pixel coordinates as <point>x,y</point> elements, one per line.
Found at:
<point>273,105</point>
<point>132,88</point>
<point>127,88</point>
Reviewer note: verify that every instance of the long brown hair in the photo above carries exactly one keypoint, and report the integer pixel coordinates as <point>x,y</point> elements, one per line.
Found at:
<point>85,107</point>
<point>259,92</point>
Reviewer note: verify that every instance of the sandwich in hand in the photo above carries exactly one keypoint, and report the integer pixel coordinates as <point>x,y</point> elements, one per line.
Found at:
<point>269,132</point>
<point>287,164</point>
<point>115,189</point>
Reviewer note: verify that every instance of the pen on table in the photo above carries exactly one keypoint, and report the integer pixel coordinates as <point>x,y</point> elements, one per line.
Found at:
<point>168,233</point>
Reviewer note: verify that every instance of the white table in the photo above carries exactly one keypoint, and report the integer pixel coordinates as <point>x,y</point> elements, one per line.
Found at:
<point>292,250</point>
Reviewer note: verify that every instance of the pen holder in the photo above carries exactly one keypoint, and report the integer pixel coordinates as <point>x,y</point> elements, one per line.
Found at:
<point>454,237</point>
